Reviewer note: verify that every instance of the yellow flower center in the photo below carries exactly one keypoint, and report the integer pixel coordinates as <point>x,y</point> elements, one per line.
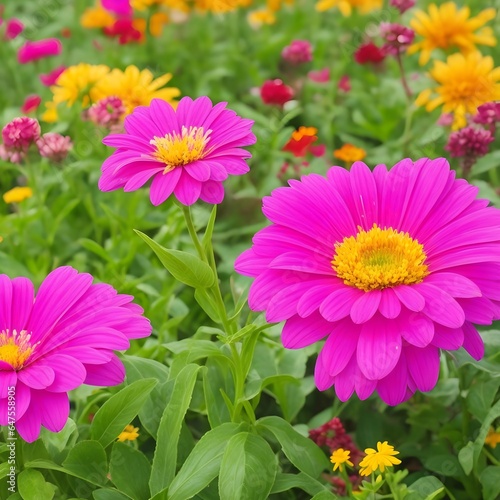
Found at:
<point>15,349</point>
<point>176,150</point>
<point>379,258</point>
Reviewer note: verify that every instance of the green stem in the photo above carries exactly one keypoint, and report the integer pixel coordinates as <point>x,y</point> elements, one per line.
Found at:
<point>492,458</point>
<point>347,481</point>
<point>193,234</point>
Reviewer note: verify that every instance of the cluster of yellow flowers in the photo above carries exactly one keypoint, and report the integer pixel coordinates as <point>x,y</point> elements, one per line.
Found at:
<point>467,79</point>
<point>87,84</point>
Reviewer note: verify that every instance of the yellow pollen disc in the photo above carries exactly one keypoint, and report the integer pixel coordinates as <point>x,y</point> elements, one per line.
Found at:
<point>15,349</point>
<point>176,150</point>
<point>379,258</point>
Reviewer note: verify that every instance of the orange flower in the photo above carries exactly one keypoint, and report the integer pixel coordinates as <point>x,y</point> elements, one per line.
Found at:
<point>349,153</point>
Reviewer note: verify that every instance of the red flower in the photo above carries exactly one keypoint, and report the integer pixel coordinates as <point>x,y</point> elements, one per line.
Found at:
<point>31,103</point>
<point>125,31</point>
<point>275,92</point>
<point>301,141</point>
<point>369,53</point>
<point>344,83</point>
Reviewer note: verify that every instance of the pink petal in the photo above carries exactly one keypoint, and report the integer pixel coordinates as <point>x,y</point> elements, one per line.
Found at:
<point>473,343</point>
<point>389,306</point>
<point>198,170</point>
<point>36,376</point>
<point>53,409</point>
<point>366,306</point>
<point>212,192</point>
<point>447,338</point>
<point>187,190</point>
<point>393,388</point>
<point>112,373</point>
<point>339,303</point>
<point>423,366</point>
<point>454,284</point>
<point>22,302</point>
<point>70,373</point>
<point>164,185</point>
<point>416,328</point>
<point>299,332</point>
<point>410,297</point>
<point>441,307</point>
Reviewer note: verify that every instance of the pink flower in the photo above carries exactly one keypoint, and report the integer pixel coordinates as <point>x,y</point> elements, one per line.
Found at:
<point>275,92</point>
<point>319,76</point>
<point>488,114</point>
<point>12,155</point>
<point>62,339</point>
<point>402,5</point>
<point>344,83</point>
<point>107,112</point>
<point>119,7</point>
<point>32,51</point>
<point>445,120</point>
<point>13,29</point>
<point>469,144</point>
<point>397,38</point>
<point>31,103</point>
<point>51,78</point>
<point>369,53</point>
<point>298,52</point>
<point>21,132</point>
<point>54,146</point>
<point>390,266</point>
<point>189,151</point>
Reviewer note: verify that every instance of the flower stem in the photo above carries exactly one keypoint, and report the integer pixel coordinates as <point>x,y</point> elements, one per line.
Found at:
<point>404,82</point>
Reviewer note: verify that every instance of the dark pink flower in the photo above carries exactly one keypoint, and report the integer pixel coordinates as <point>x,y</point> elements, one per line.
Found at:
<point>31,103</point>
<point>488,114</point>
<point>298,52</point>
<point>106,112</point>
<point>320,75</point>
<point>12,155</point>
<point>402,5</point>
<point>13,29</point>
<point>119,7</point>
<point>344,83</point>
<point>469,144</point>
<point>397,38</point>
<point>54,146</point>
<point>369,53</point>
<point>63,337</point>
<point>20,133</point>
<point>32,51</point>
<point>124,30</point>
<point>51,78</point>
<point>446,120</point>
<point>275,92</point>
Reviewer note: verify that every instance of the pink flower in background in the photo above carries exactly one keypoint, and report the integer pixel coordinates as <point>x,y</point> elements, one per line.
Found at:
<point>298,52</point>
<point>20,133</point>
<point>275,92</point>
<point>31,103</point>
<point>446,120</point>
<point>402,5</point>
<point>107,112</point>
<point>390,266</point>
<point>469,144</point>
<point>319,76</point>
<point>12,155</point>
<point>51,78</point>
<point>13,29</point>
<point>397,38</point>
<point>32,51</point>
<point>62,339</point>
<point>344,83</point>
<point>54,146</point>
<point>369,53</point>
<point>119,7</point>
<point>488,114</point>
<point>189,151</point>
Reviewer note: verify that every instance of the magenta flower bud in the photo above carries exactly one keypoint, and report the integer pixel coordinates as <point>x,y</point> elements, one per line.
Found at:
<point>54,146</point>
<point>49,79</point>
<point>119,7</point>
<point>20,133</point>
<point>397,38</point>
<point>32,51</point>
<point>107,112</point>
<point>13,29</point>
<point>298,52</point>
<point>320,75</point>
<point>402,5</point>
<point>488,114</point>
<point>31,103</point>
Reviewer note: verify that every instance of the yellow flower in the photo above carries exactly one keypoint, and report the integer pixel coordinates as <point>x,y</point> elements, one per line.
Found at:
<point>17,194</point>
<point>446,27</point>
<point>465,82</point>
<point>134,87</point>
<point>346,6</point>
<point>493,438</point>
<point>76,82</point>
<point>96,17</point>
<point>130,433</point>
<point>156,23</point>
<point>275,5</point>
<point>378,459</point>
<point>340,457</point>
<point>50,115</point>
<point>257,18</point>
<point>349,153</point>
<point>217,6</point>
<point>173,4</point>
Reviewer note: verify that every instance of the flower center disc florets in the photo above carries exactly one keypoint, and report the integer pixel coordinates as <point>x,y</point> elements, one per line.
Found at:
<point>379,258</point>
<point>15,348</point>
<point>176,150</point>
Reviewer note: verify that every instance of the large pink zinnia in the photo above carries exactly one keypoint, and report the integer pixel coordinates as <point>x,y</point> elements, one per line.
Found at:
<point>189,151</point>
<point>58,341</point>
<point>389,266</point>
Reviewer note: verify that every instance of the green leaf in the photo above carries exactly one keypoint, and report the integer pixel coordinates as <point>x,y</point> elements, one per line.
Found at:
<point>466,457</point>
<point>196,348</point>
<point>32,486</point>
<point>487,162</point>
<point>301,451</point>
<point>490,480</point>
<point>130,471</point>
<point>481,396</point>
<point>203,464</point>
<point>479,442</point>
<point>217,378</point>
<point>108,494</point>
<point>426,488</point>
<point>285,482</point>
<point>165,458</point>
<point>207,304</point>
<point>55,442</point>
<point>183,266</point>
<point>119,410</point>
<point>94,247</point>
<point>87,460</point>
<point>207,237</point>
<point>248,468</point>
<point>323,495</point>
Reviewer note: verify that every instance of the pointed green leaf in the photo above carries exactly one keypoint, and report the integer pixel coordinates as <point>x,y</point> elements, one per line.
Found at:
<point>87,460</point>
<point>32,486</point>
<point>183,266</point>
<point>119,410</point>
